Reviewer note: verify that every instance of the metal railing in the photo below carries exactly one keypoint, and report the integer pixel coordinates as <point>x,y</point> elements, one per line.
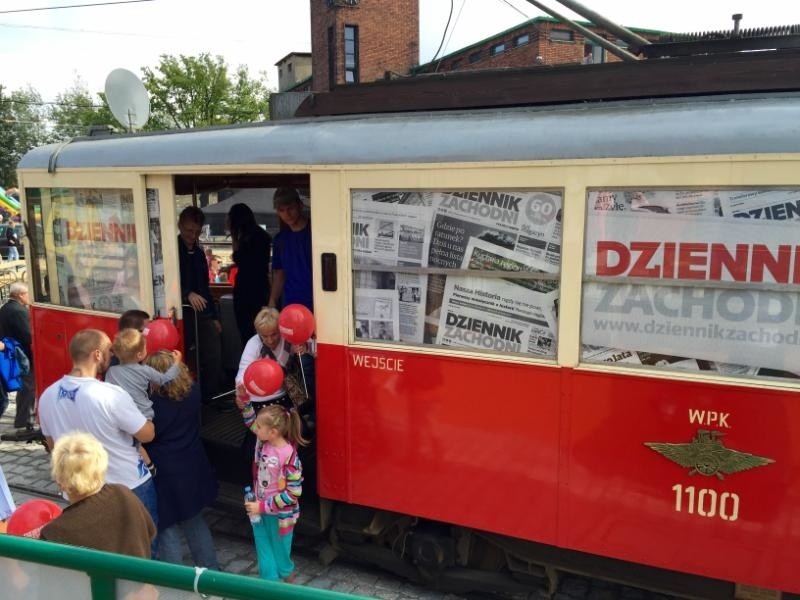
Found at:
<point>107,572</point>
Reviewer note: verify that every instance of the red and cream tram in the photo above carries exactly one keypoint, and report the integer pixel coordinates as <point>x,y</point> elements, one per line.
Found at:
<point>549,336</point>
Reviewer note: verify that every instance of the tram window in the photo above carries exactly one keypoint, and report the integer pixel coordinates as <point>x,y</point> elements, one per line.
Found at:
<point>693,280</point>
<point>94,248</point>
<point>426,268</point>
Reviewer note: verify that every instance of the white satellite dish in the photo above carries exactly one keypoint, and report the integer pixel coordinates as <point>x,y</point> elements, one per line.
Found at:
<point>127,98</point>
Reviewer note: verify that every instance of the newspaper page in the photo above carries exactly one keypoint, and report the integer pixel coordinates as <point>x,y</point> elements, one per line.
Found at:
<point>775,205</point>
<point>772,205</point>
<point>394,234</point>
<point>377,315</point>
<point>609,355</point>
<point>390,234</point>
<point>665,202</point>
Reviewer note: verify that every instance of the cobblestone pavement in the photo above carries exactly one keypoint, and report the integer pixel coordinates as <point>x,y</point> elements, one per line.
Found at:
<point>27,470</point>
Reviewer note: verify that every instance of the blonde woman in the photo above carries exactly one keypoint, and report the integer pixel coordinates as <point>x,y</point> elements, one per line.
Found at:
<point>100,515</point>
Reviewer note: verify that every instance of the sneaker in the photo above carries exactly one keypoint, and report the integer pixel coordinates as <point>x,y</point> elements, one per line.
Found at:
<point>26,434</point>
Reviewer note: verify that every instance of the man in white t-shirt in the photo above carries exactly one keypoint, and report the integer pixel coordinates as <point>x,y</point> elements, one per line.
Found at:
<point>80,402</point>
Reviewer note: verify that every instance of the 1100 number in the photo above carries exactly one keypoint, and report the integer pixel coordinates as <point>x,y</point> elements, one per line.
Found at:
<point>707,503</point>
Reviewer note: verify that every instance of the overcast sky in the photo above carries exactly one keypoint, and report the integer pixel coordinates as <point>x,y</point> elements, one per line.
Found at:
<point>49,49</point>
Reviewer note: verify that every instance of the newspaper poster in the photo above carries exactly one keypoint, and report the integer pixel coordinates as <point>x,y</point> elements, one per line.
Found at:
<point>527,223</point>
<point>754,324</point>
<point>498,315</point>
<point>377,314</point>
<point>471,230</point>
<point>94,234</point>
<point>156,252</point>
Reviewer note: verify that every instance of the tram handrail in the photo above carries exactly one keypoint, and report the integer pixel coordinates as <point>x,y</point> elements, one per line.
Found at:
<point>104,569</point>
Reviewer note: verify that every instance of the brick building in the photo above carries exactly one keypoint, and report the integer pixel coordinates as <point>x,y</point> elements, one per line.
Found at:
<point>542,40</point>
<point>353,42</point>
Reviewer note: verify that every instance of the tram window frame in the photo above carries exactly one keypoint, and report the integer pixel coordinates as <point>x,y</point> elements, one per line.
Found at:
<point>413,285</point>
<point>685,302</point>
<point>35,245</point>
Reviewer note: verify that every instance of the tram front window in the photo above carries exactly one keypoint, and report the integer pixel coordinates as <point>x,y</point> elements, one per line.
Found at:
<point>94,241</point>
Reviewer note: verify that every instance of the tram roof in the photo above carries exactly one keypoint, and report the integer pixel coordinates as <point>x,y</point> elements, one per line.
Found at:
<point>767,123</point>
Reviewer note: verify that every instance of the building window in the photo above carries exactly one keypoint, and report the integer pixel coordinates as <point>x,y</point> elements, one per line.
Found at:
<point>562,35</point>
<point>289,68</point>
<point>475,57</point>
<point>497,49</point>
<point>280,72</point>
<point>350,54</point>
<point>521,40</point>
<point>455,64</point>
<point>593,54</point>
<point>331,58</point>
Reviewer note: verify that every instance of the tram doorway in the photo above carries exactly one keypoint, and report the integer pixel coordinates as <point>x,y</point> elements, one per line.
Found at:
<point>217,357</point>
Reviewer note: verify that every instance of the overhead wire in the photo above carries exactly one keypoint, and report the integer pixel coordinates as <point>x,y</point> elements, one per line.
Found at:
<point>93,31</point>
<point>19,10</point>
<point>43,103</point>
<point>516,9</point>
<point>449,37</point>
<point>444,33</point>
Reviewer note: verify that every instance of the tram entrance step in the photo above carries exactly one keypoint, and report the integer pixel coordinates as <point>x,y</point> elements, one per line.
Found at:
<point>223,436</point>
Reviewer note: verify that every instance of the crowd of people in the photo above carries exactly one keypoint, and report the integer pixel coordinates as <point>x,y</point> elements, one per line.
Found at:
<point>123,425</point>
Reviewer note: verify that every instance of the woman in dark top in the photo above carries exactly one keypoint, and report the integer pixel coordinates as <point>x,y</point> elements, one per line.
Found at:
<point>251,253</point>
<point>185,483</point>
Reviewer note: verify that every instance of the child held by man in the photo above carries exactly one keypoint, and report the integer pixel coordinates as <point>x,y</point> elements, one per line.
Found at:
<point>277,482</point>
<point>130,348</point>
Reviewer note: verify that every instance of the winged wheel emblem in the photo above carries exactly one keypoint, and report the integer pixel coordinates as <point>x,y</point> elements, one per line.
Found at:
<point>707,455</point>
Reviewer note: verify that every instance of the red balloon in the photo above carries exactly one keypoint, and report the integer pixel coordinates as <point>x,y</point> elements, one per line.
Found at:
<point>296,323</point>
<point>263,377</point>
<point>31,516</point>
<point>161,334</point>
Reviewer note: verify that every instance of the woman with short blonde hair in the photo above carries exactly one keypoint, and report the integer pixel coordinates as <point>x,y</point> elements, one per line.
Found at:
<point>79,465</point>
<point>100,515</point>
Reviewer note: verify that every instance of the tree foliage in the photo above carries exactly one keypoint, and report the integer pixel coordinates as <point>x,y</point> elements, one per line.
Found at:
<point>185,91</point>
<point>22,127</point>
<point>75,111</point>
<point>197,91</point>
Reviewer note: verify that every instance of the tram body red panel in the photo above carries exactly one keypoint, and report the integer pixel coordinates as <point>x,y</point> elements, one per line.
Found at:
<point>618,497</point>
<point>447,438</point>
<point>52,329</point>
<point>558,456</point>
